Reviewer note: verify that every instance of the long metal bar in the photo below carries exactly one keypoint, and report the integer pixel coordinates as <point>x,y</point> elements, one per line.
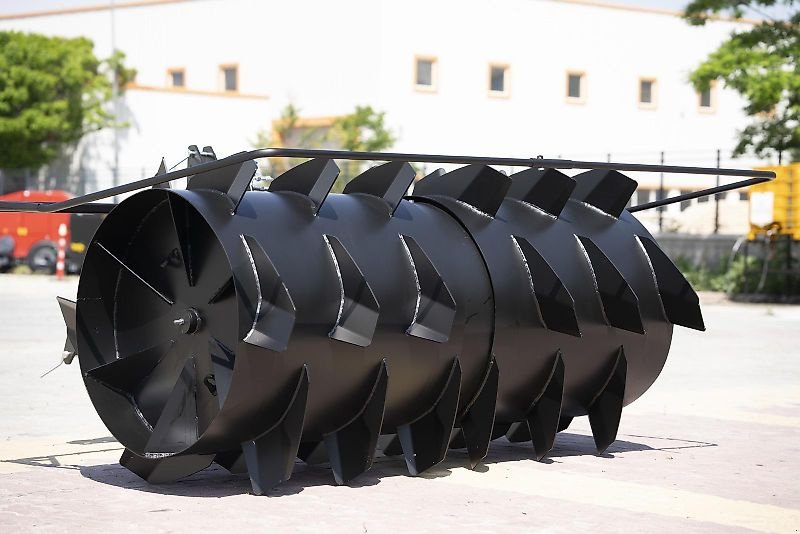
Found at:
<point>697,194</point>
<point>93,207</point>
<point>43,207</point>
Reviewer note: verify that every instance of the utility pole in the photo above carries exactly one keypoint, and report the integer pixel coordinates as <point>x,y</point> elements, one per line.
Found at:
<point>716,199</point>
<point>660,197</point>
<point>115,100</point>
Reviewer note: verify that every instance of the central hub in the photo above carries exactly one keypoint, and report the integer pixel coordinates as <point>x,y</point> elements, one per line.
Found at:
<point>189,323</point>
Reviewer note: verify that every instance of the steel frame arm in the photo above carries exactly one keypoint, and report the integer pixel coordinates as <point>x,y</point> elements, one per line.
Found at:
<point>82,204</point>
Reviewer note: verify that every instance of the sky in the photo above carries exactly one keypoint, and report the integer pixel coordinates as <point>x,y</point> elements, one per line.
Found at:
<point>22,6</point>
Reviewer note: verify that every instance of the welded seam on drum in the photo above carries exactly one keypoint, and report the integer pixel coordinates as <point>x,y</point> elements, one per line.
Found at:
<point>128,396</point>
<point>416,279</point>
<point>594,277</point>
<point>341,284</point>
<point>653,273</point>
<point>258,285</point>
<point>471,208</point>
<point>453,216</point>
<point>140,415</point>
<point>534,207</point>
<point>598,210</point>
<point>525,263</point>
<point>157,455</point>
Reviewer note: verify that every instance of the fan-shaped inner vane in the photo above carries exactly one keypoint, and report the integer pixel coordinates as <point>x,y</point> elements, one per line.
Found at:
<point>165,275</point>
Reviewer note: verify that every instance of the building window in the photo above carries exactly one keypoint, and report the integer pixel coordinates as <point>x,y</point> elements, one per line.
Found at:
<point>647,93</point>
<point>576,87</point>
<point>498,80</point>
<point>743,196</point>
<point>425,73</point>
<point>684,204</point>
<point>176,77</point>
<point>230,77</point>
<point>707,98</point>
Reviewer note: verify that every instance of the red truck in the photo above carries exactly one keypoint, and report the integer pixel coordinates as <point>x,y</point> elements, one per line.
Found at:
<point>32,238</point>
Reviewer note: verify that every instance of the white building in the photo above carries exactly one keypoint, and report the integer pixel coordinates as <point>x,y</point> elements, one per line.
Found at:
<point>560,78</point>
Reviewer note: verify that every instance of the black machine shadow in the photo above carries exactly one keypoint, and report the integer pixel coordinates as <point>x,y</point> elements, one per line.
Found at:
<point>217,482</point>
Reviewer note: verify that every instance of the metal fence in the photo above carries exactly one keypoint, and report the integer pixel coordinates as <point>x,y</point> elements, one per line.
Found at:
<point>725,213</point>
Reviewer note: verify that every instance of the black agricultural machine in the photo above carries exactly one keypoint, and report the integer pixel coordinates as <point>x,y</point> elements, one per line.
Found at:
<point>249,328</point>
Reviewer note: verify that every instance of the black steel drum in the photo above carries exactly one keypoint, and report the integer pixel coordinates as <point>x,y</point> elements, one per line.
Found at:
<point>251,327</point>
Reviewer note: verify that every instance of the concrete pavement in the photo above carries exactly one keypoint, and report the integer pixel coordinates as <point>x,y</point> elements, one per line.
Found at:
<point>712,447</point>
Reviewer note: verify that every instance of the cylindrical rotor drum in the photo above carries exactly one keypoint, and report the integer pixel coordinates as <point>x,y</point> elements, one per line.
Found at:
<point>257,326</point>
<point>300,245</point>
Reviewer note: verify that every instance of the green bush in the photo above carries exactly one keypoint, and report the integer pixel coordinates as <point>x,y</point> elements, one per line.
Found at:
<point>744,275</point>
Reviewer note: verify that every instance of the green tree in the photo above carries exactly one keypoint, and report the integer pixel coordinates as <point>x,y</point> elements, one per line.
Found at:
<point>363,130</point>
<point>281,128</point>
<point>286,132</point>
<point>53,91</point>
<point>762,64</point>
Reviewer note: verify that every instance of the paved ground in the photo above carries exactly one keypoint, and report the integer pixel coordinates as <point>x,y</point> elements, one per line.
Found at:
<point>713,446</point>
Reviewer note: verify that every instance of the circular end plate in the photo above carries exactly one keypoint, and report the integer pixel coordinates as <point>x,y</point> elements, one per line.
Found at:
<point>156,312</point>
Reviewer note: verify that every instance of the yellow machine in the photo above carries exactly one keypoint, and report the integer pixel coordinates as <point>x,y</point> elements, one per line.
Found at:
<point>775,205</point>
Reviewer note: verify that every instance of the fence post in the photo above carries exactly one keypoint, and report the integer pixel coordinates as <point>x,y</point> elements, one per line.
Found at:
<point>716,199</point>
<point>660,197</point>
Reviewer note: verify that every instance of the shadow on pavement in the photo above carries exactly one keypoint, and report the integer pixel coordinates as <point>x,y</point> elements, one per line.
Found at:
<point>217,482</point>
